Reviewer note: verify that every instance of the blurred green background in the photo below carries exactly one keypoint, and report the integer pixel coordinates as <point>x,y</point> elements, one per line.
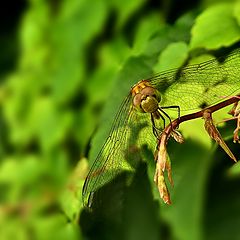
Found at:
<point>65,67</point>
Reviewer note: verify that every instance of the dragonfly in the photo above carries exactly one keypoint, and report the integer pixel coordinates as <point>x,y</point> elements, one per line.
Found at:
<point>143,113</point>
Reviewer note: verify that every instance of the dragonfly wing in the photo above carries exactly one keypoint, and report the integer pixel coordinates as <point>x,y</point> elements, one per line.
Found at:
<point>199,85</point>
<point>108,162</point>
<point>120,152</point>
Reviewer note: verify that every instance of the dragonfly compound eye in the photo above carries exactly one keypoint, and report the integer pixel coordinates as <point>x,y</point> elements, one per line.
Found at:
<point>150,91</point>
<point>137,99</point>
<point>147,100</point>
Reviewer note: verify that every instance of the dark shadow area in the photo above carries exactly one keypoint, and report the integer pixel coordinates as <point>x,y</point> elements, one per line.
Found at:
<point>121,210</point>
<point>222,213</point>
<point>10,14</point>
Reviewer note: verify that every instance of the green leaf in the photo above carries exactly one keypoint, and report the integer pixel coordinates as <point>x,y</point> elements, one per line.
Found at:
<point>79,22</point>
<point>71,197</point>
<point>83,126</point>
<point>234,171</point>
<point>111,57</point>
<point>189,175</point>
<point>211,27</point>
<point>34,25</point>
<point>13,229</point>
<point>125,9</point>
<point>167,35</point>
<point>16,171</point>
<point>80,25</point>
<point>146,28</point>
<point>236,11</point>
<point>173,56</point>
<point>55,226</point>
<point>49,123</point>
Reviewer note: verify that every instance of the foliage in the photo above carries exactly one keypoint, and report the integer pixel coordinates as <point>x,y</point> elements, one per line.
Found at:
<point>73,64</point>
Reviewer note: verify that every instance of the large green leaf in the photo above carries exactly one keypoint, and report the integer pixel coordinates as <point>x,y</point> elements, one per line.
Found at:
<point>172,57</point>
<point>209,30</point>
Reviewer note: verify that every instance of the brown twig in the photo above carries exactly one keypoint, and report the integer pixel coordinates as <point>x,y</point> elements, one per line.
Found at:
<point>162,161</point>
<point>200,113</point>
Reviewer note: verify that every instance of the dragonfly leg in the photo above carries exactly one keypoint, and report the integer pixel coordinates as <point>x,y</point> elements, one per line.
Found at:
<point>156,130</point>
<point>170,120</point>
<point>178,109</point>
<point>157,115</point>
<point>164,122</point>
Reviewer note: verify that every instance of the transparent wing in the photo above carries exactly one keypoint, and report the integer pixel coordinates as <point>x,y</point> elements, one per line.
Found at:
<point>194,86</point>
<point>121,150</point>
<point>199,85</point>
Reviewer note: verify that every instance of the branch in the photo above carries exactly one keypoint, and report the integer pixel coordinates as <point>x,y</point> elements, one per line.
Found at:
<point>162,160</point>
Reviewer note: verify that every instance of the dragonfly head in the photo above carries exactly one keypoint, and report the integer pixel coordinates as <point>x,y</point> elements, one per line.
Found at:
<point>145,97</point>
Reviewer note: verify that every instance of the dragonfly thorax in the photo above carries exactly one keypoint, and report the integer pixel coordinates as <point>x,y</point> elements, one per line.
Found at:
<point>146,99</point>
